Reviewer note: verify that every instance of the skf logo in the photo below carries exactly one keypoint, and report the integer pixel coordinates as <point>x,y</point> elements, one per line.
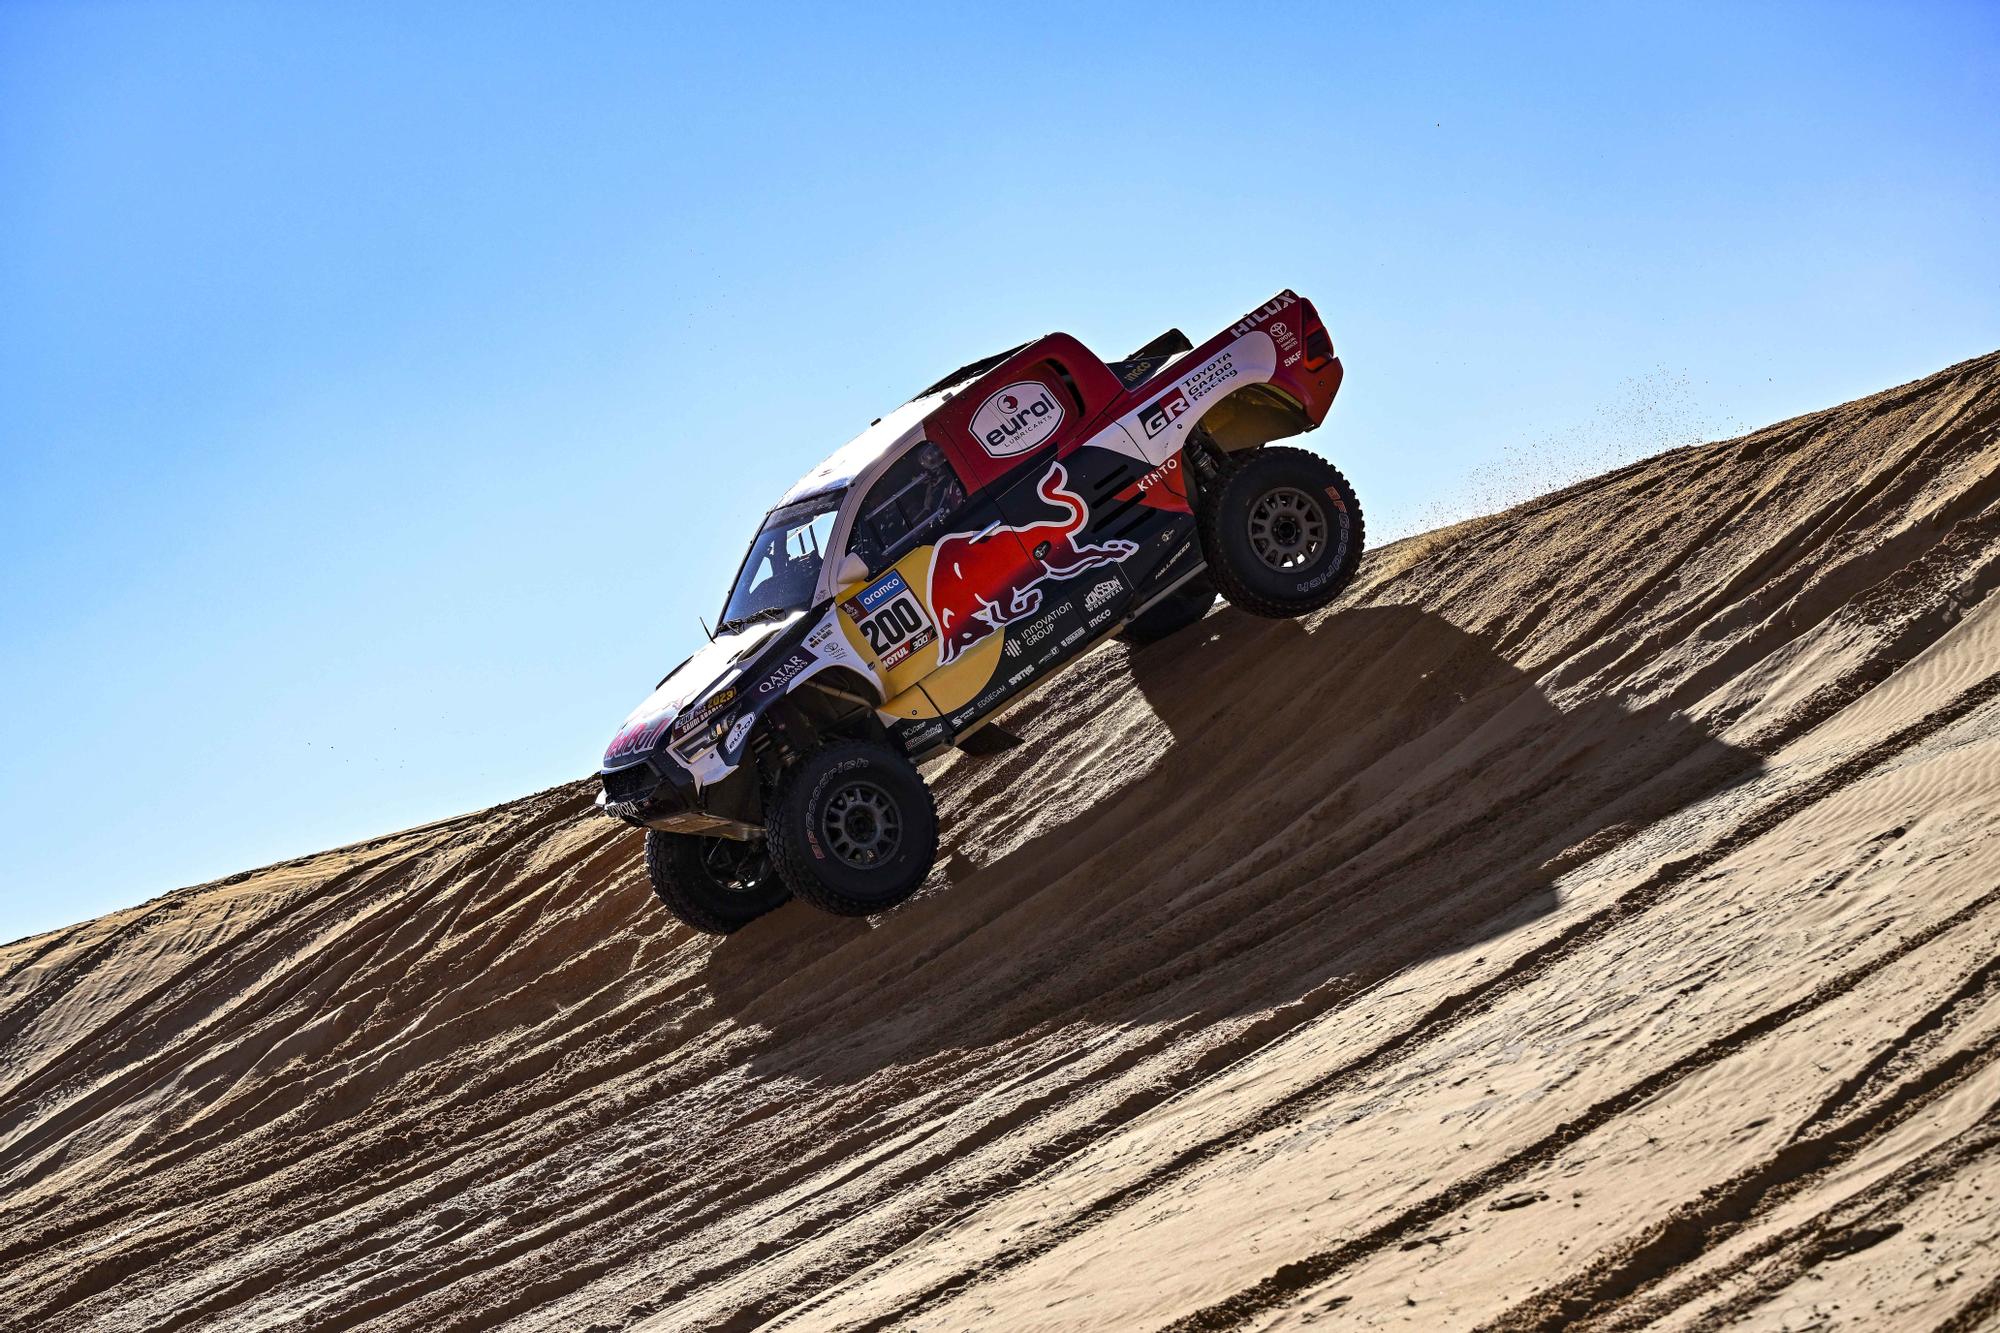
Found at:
<point>1163,413</point>
<point>1016,419</point>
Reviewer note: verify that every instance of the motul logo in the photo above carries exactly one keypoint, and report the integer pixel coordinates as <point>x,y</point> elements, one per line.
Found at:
<point>1016,419</point>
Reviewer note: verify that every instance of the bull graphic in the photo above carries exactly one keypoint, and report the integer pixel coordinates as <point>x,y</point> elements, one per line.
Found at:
<point>980,581</point>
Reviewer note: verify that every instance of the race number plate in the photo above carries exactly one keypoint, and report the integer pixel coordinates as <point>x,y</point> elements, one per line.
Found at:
<point>891,619</point>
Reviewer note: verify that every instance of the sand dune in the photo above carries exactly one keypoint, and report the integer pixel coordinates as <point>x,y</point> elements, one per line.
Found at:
<point>1594,920</point>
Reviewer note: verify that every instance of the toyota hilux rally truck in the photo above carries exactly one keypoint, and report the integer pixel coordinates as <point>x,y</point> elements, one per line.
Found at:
<point>952,557</point>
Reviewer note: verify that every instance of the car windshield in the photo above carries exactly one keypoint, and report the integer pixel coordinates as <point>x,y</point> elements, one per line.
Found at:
<point>782,567</point>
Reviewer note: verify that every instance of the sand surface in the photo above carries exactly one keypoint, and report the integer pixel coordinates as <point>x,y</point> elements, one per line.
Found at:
<point>1592,921</point>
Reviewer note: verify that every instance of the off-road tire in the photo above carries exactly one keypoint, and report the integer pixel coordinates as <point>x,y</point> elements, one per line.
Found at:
<point>685,882</point>
<point>1271,487</point>
<point>815,846</point>
<point>1182,607</point>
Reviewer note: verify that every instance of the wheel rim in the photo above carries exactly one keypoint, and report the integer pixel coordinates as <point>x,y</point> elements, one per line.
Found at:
<point>1287,529</point>
<point>736,867</point>
<point>862,825</point>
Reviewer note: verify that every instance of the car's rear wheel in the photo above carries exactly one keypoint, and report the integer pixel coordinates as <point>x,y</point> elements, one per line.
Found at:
<point>716,885</point>
<point>853,828</point>
<point>1184,606</point>
<point>1282,532</point>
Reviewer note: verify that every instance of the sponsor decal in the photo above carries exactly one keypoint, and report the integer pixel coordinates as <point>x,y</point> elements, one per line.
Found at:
<point>1186,550</point>
<point>891,619</point>
<point>1281,334</point>
<point>1163,412</point>
<point>1015,419</point>
<point>1013,647</point>
<point>979,706</point>
<point>785,672</point>
<point>1149,490</point>
<point>739,733</point>
<point>705,710</point>
<point>1098,619</point>
<point>1293,359</point>
<point>1210,377</point>
<point>1135,372</point>
<point>829,646</point>
<point>1159,474</point>
<point>638,736</point>
<point>923,733</point>
<point>1282,301</point>
<point>1020,676</point>
<point>980,581</point>
<point>871,598</point>
<point>1071,637</point>
<point>1037,630</point>
<point>1102,594</point>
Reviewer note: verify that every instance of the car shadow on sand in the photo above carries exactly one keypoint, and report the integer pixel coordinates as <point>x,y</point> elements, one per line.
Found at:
<point>1306,813</point>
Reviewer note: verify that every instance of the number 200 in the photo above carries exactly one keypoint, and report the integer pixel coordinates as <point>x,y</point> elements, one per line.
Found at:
<point>891,625</point>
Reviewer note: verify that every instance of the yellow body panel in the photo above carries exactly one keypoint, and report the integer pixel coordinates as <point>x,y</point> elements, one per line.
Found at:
<point>915,686</point>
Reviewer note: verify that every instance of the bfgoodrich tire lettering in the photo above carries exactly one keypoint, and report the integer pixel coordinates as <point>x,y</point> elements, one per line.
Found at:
<point>715,885</point>
<point>1282,532</point>
<point>853,829</point>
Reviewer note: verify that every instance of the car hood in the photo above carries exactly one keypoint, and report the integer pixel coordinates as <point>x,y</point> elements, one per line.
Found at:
<point>701,680</point>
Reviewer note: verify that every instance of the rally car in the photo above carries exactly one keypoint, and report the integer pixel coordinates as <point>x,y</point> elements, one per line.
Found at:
<point>955,555</point>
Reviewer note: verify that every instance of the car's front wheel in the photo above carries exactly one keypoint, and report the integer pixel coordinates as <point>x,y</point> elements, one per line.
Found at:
<point>716,885</point>
<point>853,829</point>
<point>1282,532</point>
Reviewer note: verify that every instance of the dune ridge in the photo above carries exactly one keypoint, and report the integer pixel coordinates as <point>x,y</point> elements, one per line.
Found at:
<point>1593,920</point>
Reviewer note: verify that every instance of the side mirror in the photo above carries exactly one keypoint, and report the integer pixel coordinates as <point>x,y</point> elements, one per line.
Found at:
<point>852,569</point>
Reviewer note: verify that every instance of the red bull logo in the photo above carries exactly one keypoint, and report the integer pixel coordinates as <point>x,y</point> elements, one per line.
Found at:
<point>980,581</point>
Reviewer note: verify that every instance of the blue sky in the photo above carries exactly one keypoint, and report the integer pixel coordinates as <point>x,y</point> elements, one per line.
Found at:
<point>384,390</point>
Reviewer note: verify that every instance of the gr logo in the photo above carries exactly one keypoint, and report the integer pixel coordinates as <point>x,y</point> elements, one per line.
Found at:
<point>1163,413</point>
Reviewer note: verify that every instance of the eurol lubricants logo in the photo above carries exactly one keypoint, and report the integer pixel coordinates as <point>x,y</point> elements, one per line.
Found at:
<point>1016,419</point>
<point>980,581</point>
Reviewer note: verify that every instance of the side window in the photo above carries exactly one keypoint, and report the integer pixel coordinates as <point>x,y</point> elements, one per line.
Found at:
<point>910,504</point>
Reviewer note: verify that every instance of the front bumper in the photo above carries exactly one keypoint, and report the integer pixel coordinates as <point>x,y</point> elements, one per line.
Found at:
<point>644,796</point>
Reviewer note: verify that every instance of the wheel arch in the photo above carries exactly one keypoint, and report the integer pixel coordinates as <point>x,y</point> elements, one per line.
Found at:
<point>836,700</point>
<point>1251,417</point>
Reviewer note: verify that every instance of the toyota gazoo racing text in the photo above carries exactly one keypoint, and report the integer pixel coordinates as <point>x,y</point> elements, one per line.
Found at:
<point>951,557</point>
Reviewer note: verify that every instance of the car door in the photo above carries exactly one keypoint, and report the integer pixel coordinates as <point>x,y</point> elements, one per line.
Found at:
<point>1085,536</point>
<point>926,538</point>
